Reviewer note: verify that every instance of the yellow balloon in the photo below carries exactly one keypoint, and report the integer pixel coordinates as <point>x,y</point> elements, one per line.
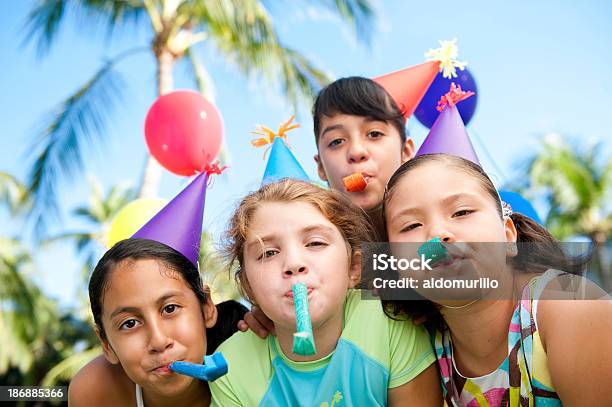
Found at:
<point>132,217</point>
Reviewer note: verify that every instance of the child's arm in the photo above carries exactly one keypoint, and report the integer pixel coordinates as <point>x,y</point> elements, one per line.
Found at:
<point>577,337</point>
<point>413,376</point>
<point>423,390</point>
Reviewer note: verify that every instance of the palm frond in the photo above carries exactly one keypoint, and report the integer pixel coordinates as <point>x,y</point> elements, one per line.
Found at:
<point>244,33</point>
<point>359,14</point>
<point>116,12</point>
<point>25,313</point>
<point>222,285</point>
<point>299,76</point>
<point>13,193</point>
<point>44,21</point>
<point>67,368</point>
<point>205,85</point>
<point>80,122</point>
<point>201,76</point>
<point>573,179</point>
<point>15,349</point>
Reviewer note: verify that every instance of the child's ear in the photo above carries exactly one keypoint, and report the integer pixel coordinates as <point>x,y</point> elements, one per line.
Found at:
<point>511,237</point>
<point>109,353</point>
<point>209,310</point>
<point>320,169</point>
<point>407,149</point>
<point>355,269</point>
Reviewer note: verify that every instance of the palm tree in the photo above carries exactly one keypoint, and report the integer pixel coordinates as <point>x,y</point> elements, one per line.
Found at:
<point>91,241</point>
<point>222,285</point>
<point>33,332</point>
<point>19,323</point>
<point>240,29</point>
<point>577,184</point>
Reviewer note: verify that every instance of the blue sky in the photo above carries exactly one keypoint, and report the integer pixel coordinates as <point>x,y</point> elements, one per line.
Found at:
<point>540,67</point>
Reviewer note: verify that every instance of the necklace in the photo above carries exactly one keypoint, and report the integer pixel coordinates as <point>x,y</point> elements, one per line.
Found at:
<point>460,306</point>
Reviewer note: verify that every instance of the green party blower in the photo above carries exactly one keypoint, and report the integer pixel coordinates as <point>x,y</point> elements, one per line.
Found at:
<point>434,250</point>
<point>303,340</point>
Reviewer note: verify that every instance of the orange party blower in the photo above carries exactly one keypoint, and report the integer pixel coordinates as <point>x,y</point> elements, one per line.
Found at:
<point>355,182</point>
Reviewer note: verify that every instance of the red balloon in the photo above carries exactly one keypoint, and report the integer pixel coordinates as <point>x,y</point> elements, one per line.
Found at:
<point>183,131</point>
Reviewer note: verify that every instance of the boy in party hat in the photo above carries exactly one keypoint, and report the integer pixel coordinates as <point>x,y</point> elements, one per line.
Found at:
<point>359,127</point>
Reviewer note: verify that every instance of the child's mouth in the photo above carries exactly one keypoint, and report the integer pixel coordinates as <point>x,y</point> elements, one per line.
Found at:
<point>452,262</point>
<point>165,369</point>
<point>290,293</point>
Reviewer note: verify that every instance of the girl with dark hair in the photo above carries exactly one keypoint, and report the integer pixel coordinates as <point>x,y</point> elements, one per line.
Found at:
<point>515,345</point>
<point>150,308</point>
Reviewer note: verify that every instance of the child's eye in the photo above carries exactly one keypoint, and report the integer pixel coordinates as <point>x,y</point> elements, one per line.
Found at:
<point>462,212</point>
<point>410,227</point>
<point>375,134</point>
<point>267,253</point>
<point>171,308</point>
<point>335,142</point>
<point>316,243</point>
<point>129,324</point>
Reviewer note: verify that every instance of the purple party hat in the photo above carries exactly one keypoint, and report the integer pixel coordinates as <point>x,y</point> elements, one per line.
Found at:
<point>179,223</point>
<point>448,134</point>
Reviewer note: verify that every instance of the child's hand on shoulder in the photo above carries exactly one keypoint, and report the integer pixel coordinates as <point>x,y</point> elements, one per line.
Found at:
<point>258,322</point>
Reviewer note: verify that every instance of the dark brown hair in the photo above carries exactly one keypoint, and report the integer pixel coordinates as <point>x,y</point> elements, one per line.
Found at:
<point>357,96</point>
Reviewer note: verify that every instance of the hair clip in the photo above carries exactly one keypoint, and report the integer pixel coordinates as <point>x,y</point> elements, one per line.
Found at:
<point>506,209</point>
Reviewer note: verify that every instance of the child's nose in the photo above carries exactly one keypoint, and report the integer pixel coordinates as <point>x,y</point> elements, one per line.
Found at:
<point>295,270</point>
<point>444,235</point>
<point>357,152</point>
<point>158,339</point>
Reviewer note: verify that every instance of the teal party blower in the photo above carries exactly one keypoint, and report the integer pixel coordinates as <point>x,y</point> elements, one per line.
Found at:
<point>214,367</point>
<point>303,340</point>
<point>434,250</point>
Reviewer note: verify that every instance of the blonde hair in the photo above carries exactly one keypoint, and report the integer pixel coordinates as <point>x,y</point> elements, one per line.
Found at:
<point>350,220</point>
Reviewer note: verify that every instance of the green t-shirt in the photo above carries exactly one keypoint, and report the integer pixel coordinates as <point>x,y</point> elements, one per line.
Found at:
<point>374,353</point>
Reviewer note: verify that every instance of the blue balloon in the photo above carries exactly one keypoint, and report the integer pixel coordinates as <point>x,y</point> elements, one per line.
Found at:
<point>520,205</point>
<point>426,111</point>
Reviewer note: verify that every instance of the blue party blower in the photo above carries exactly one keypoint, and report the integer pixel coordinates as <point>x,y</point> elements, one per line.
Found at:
<point>214,367</point>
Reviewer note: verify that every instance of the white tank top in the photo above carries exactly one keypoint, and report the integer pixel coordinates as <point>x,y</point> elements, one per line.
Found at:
<point>139,402</point>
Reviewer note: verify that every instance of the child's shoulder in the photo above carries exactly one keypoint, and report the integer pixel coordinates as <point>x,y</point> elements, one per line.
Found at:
<point>100,383</point>
<point>249,370</point>
<point>245,351</point>
<point>361,306</point>
<point>399,346</point>
<point>244,341</point>
<point>366,322</point>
